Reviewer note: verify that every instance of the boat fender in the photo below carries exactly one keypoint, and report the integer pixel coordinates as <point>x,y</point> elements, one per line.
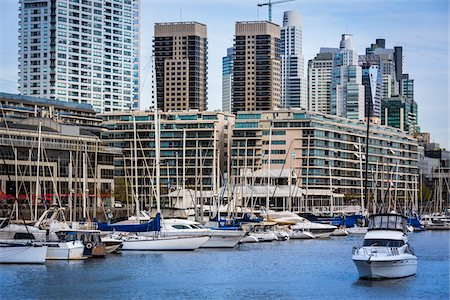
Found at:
<point>89,245</point>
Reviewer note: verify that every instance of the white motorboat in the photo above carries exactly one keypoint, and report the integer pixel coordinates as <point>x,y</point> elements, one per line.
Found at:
<point>249,239</point>
<point>219,238</point>
<point>340,232</point>
<point>263,231</point>
<point>70,250</point>
<point>357,230</point>
<point>300,234</point>
<point>17,253</point>
<point>145,243</point>
<point>385,252</point>
<point>435,222</point>
<point>318,230</point>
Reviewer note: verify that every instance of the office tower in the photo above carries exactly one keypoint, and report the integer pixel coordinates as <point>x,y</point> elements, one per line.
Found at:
<point>83,51</point>
<point>227,80</point>
<point>180,50</point>
<point>319,80</point>
<point>347,92</point>
<point>293,81</point>
<point>391,64</point>
<point>372,81</point>
<point>256,66</point>
<point>407,86</point>
<point>400,112</point>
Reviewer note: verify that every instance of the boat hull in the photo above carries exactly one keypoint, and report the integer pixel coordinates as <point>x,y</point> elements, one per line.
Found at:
<point>301,235</point>
<point>165,244</point>
<point>65,251</point>
<point>23,254</point>
<point>224,239</point>
<point>386,269</point>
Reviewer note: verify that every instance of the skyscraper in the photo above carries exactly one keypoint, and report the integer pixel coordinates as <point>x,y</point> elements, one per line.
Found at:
<point>347,91</point>
<point>293,81</point>
<point>181,62</point>
<point>227,80</point>
<point>256,66</point>
<point>319,80</point>
<point>391,64</point>
<point>372,81</point>
<point>83,51</point>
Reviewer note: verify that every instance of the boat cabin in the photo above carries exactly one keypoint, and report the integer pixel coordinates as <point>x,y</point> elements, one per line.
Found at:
<point>387,222</point>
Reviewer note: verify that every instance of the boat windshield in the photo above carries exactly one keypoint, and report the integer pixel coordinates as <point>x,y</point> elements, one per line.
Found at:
<point>382,243</point>
<point>390,222</point>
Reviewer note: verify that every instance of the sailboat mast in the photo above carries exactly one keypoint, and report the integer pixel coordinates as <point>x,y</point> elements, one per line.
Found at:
<point>366,174</point>
<point>37,171</point>
<point>184,165</point>
<point>157,162</point>
<point>268,171</point>
<point>136,192</point>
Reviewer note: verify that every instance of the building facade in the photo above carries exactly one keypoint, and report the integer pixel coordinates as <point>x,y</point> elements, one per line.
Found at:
<point>372,81</point>
<point>347,91</point>
<point>51,153</point>
<point>227,81</point>
<point>400,112</point>
<point>293,81</point>
<point>83,51</point>
<point>193,146</point>
<point>326,153</point>
<point>180,51</point>
<point>319,81</point>
<point>256,66</point>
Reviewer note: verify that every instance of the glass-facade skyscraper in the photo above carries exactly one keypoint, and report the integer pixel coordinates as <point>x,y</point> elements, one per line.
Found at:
<point>227,80</point>
<point>293,81</point>
<point>347,91</point>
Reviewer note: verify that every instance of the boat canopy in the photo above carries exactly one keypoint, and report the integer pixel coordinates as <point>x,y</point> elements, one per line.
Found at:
<point>387,222</point>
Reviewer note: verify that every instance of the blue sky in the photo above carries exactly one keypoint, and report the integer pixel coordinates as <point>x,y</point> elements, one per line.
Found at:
<point>420,26</point>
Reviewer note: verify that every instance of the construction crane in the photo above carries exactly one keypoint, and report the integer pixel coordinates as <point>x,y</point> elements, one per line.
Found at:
<point>269,4</point>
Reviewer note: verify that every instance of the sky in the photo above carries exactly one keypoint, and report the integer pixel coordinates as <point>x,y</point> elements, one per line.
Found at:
<point>420,26</point>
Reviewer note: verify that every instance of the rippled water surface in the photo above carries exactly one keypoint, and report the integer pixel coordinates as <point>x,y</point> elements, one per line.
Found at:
<point>306,269</point>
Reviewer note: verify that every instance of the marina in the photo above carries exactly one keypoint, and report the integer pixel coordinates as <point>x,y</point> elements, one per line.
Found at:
<point>308,269</point>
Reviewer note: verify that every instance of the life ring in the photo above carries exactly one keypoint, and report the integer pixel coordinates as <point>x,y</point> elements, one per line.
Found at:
<point>89,245</point>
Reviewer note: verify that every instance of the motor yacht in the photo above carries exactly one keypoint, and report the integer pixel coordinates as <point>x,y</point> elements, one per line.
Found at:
<point>385,252</point>
<point>219,238</point>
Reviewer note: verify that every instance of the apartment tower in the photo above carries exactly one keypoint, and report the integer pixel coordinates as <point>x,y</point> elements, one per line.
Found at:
<point>319,81</point>
<point>180,50</point>
<point>256,66</point>
<point>293,81</point>
<point>84,51</point>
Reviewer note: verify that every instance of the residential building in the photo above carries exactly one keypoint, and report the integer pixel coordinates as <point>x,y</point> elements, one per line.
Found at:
<point>256,66</point>
<point>326,153</point>
<point>80,51</point>
<point>181,66</point>
<point>194,147</point>
<point>74,164</point>
<point>319,81</point>
<point>293,81</point>
<point>347,91</point>
<point>227,81</point>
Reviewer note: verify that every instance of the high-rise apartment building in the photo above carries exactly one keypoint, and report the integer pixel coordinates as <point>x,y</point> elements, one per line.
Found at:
<point>256,66</point>
<point>347,91</point>
<point>319,81</point>
<point>180,50</point>
<point>84,51</point>
<point>227,80</point>
<point>293,81</point>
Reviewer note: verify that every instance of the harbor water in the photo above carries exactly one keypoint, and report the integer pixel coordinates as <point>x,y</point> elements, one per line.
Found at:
<point>296,269</point>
